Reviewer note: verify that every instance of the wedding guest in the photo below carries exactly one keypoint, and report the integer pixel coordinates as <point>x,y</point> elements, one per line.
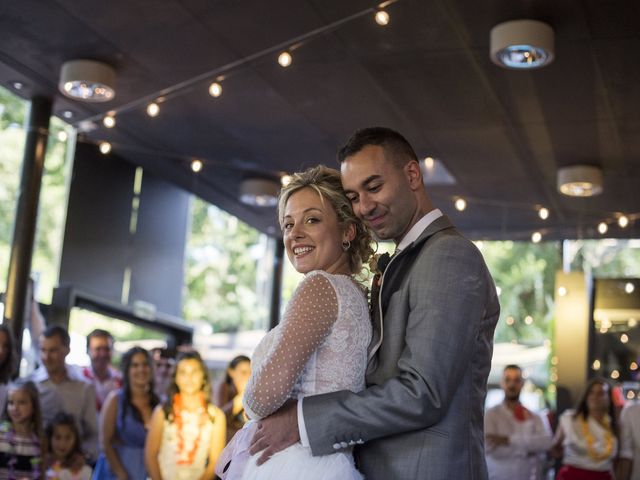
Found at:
<point>187,432</point>
<point>163,363</point>
<point>589,435</point>
<point>629,461</point>
<point>66,461</point>
<point>62,390</point>
<point>21,435</point>
<point>228,394</point>
<point>7,362</point>
<point>125,418</point>
<point>101,373</point>
<point>515,437</point>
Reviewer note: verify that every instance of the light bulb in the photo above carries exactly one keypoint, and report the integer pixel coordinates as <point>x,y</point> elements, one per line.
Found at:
<point>215,89</point>
<point>284,59</point>
<point>562,291</point>
<point>109,121</point>
<point>602,228</point>
<point>285,180</point>
<point>429,163</point>
<point>382,18</point>
<point>536,237</point>
<point>623,221</point>
<point>196,165</point>
<point>461,204</point>
<point>105,147</point>
<point>543,213</point>
<point>62,136</point>
<point>153,109</point>
<point>629,287</point>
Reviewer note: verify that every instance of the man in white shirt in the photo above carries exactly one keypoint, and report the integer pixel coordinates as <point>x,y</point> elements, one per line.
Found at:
<point>101,373</point>
<point>629,461</point>
<point>515,437</point>
<point>61,389</point>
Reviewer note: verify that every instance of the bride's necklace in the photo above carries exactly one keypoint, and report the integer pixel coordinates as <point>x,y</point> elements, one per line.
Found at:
<point>608,439</point>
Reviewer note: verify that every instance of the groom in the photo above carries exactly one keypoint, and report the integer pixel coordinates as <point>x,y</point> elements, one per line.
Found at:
<point>421,416</point>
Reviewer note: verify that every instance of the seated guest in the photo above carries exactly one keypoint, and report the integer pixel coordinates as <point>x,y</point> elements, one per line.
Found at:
<point>21,435</point>
<point>65,461</point>
<point>101,374</point>
<point>515,437</point>
<point>7,361</point>
<point>228,395</point>
<point>589,436</point>
<point>125,417</point>
<point>62,390</point>
<point>163,362</point>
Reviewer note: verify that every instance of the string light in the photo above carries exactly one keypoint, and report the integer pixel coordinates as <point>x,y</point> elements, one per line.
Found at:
<point>105,147</point>
<point>196,165</point>
<point>602,228</point>
<point>615,374</point>
<point>285,180</point>
<point>510,321</point>
<point>629,287</point>
<point>528,320</point>
<point>632,323</point>
<point>623,221</point>
<point>215,89</point>
<point>382,18</point>
<point>633,366</point>
<point>461,204</point>
<point>109,121</point>
<point>153,109</point>
<point>624,338</point>
<point>596,365</point>
<point>429,163</point>
<point>536,237</point>
<point>543,213</point>
<point>284,59</point>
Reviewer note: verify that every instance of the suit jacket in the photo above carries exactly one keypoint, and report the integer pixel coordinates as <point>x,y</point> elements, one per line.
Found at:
<point>421,416</point>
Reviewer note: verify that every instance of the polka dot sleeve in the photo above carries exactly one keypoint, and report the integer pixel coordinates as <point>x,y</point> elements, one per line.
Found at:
<point>307,321</point>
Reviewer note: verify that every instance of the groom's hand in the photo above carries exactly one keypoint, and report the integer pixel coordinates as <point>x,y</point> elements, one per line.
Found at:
<point>276,432</point>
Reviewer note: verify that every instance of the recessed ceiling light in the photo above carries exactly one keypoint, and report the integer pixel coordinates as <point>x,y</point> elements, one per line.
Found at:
<point>67,114</point>
<point>17,85</point>
<point>87,80</point>
<point>522,44</point>
<point>580,180</point>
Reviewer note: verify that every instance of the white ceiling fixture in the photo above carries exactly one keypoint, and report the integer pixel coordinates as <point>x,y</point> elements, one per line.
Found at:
<point>259,192</point>
<point>87,80</point>
<point>580,180</point>
<point>522,44</point>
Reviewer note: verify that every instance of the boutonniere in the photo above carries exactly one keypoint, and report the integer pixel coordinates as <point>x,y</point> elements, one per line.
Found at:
<point>378,263</point>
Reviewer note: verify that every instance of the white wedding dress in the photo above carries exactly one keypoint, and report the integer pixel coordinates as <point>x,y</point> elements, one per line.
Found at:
<point>320,346</point>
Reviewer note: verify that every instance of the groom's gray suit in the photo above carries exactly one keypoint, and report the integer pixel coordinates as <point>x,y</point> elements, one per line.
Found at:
<point>421,416</point>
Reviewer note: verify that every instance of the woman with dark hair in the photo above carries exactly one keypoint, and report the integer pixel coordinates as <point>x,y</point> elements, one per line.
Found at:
<point>7,362</point>
<point>125,417</point>
<point>228,395</point>
<point>187,433</point>
<point>589,435</point>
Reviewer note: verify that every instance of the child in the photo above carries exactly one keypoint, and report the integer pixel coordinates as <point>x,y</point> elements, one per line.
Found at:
<point>66,461</point>
<point>187,433</point>
<point>21,433</point>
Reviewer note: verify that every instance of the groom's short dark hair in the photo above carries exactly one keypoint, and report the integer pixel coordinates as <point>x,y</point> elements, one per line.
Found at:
<point>396,147</point>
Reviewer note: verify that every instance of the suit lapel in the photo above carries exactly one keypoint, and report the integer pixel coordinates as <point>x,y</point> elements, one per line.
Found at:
<point>391,280</point>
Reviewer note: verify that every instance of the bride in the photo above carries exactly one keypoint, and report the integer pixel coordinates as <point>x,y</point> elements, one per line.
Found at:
<point>321,343</point>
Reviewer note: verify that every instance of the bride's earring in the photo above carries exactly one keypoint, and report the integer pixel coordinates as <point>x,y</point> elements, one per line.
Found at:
<point>346,244</point>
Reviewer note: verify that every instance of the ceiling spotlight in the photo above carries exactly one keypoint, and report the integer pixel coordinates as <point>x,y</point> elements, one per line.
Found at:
<point>623,221</point>
<point>461,204</point>
<point>382,18</point>
<point>536,237</point>
<point>62,136</point>
<point>87,80</point>
<point>215,89</point>
<point>580,180</point>
<point>285,180</point>
<point>259,192</point>
<point>153,109</point>
<point>17,85</point>
<point>602,228</point>
<point>109,121</point>
<point>67,114</point>
<point>284,59</point>
<point>105,147</point>
<point>629,287</point>
<point>196,165</point>
<point>543,213</point>
<point>522,44</point>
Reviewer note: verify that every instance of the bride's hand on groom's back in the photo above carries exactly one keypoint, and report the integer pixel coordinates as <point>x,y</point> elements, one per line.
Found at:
<point>276,432</point>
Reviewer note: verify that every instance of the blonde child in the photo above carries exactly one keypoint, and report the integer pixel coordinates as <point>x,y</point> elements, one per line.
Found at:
<point>188,432</point>
<point>66,461</point>
<point>21,433</point>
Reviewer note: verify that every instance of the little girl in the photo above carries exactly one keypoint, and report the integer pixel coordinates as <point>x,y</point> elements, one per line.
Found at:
<point>188,432</point>
<point>66,461</point>
<point>21,433</point>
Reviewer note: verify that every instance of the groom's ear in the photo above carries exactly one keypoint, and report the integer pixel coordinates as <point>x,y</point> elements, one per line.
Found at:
<point>413,174</point>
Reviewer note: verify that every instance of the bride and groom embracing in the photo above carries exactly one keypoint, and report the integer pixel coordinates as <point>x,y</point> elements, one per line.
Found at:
<point>402,390</point>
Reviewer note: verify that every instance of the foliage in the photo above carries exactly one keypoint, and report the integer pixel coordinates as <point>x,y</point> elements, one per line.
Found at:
<point>227,271</point>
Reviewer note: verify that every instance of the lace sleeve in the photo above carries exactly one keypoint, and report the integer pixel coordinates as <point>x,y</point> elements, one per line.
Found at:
<point>307,321</point>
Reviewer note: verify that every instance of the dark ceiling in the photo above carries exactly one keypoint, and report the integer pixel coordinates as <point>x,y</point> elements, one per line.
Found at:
<point>502,134</point>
